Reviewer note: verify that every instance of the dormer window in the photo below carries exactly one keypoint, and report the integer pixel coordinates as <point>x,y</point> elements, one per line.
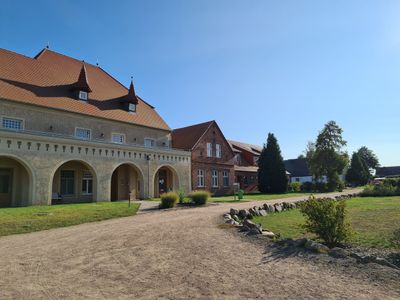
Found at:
<point>83,96</point>
<point>132,107</point>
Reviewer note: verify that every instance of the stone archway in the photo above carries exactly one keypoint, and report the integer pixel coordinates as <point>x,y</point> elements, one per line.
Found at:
<point>127,183</point>
<point>74,181</point>
<point>16,182</point>
<point>165,180</point>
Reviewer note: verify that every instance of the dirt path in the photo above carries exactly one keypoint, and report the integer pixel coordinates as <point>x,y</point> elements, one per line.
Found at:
<point>172,255</point>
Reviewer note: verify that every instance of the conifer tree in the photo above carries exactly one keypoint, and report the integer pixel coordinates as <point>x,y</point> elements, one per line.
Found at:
<point>271,169</point>
<point>358,173</point>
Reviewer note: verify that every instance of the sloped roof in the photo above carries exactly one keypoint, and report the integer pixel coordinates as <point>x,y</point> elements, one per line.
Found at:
<point>235,145</point>
<point>46,80</point>
<point>297,167</point>
<point>388,171</point>
<point>186,137</point>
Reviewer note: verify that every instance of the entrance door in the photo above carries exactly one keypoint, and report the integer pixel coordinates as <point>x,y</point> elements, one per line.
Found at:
<point>5,187</point>
<point>162,181</point>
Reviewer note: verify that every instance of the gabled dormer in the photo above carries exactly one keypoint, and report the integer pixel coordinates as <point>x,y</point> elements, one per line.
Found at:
<point>81,88</point>
<point>130,101</point>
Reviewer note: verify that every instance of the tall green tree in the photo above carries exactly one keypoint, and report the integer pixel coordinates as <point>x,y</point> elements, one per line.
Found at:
<point>369,157</point>
<point>358,173</point>
<point>271,169</point>
<point>327,157</point>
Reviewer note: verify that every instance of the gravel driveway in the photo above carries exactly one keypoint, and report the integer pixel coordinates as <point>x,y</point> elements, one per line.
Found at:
<point>175,254</point>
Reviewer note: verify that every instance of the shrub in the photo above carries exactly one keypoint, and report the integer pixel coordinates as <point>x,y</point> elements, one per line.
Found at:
<point>169,200</point>
<point>181,195</point>
<point>380,190</point>
<point>295,186</point>
<point>307,186</point>
<point>321,187</point>
<point>327,219</point>
<point>199,197</point>
<point>240,194</point>
<point>341,185</point>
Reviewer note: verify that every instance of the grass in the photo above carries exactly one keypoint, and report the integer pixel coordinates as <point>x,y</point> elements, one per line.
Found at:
<point>253,197</point>
<point>373,219</point>
<point>36,218</point>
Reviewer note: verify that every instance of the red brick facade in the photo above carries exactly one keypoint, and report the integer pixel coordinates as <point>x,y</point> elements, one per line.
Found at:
<point>224,165</point>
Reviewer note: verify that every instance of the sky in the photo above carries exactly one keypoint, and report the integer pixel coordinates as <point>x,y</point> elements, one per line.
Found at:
<point>286,67</point>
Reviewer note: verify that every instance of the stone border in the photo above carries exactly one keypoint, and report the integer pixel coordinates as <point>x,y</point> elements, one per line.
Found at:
<point>242,220</point>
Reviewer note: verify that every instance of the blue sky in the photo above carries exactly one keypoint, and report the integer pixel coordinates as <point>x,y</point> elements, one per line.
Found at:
<point>285,67</point>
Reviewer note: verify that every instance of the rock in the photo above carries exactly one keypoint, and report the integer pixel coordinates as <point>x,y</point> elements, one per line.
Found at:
<point>278,207</point>
<point>233,212</point>
<point>242,213</point>
<point>269,234</point>
<point>271,208</point>
<point>227,216</point>
<point>231,221</point>
<point>253,212</point>
<point>236,218</point>
<point>265,206</point>
<point>300,242</point>
<point>252,227</point>
<point>339,252</point>
<point>316,247</point>
<point>262,213</point>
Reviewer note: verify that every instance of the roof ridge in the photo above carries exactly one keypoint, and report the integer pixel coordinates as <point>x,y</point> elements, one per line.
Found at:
<point>16,53</point>
<point>61,54</point>
<point>195,125</point>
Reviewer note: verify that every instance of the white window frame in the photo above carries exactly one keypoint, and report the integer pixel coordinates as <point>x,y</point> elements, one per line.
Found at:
<point>3,118</point>
<point>82,138</point>
<point>130,105</point>
<point>218,151</point>
<point>83,96</point>
<point>121,137</point>
<point>209,149</point>
<point>225,174</point>
<point>152,142</point>
<point>214,178</point>
<point>85,183</point>
<point>200,178</point>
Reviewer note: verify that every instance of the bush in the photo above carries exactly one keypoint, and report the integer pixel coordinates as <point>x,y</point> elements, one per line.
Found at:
<point>295,187</point>
<point>321,187</point>
<point>169,200</point>
<point>327,219</point>
<point>240,194</point>
<point>199,197</point>
<point>181,195</point>
<point>380,190</point>
<point>341,185</point>
<point>307,186</point>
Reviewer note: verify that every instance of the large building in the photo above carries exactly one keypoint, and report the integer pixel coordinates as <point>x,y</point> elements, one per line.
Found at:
<point>212,157</point>
<point>69,132</point>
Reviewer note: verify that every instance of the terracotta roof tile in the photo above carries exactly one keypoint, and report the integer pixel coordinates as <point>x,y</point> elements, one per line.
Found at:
<point>244,146</point>
<point>186,138</point>
<point>46,81</point>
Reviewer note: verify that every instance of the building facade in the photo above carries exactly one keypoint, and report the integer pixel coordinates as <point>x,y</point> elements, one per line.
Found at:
<point>72,133</point>
<point>246,165</point>
<point>211,157</point>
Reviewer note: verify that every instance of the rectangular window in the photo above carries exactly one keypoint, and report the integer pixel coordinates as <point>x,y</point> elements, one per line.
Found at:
<point>200,178</point>
<point>214,178</point>
<point>118,138</point>
<point>67,185</point>
<point>218,152</point>
<point>4,183</point>
<point>11,123</point>
<point>149,143</point>
<point>225,178</point>
<point>132,107</point>
<point>87,183</point>
<point>83,96</point>
<point>209,150</point>
<point>82,133</point>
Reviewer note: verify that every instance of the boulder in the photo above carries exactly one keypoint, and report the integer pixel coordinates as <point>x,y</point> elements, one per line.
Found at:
<point>338,252</point>
<point>316,247</point>
<point>236,218</point>
<point>233,212</point>
<point>262,213</point>
<point>271,208</point>
<point>227,216</point>
<point>278,207</point>
<point>231,221</point>
<point>243,213</point>
<point>252,227</point>
<point>269,234</point>
<point>253,212</point>
<point>266,207</point>
<point>300,242</point>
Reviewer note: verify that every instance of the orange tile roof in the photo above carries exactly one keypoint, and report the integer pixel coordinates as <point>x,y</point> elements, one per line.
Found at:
<point>186,138</point>
<point>46,79</point>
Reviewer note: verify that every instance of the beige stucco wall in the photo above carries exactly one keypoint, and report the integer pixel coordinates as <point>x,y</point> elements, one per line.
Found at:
<point>42,156</point>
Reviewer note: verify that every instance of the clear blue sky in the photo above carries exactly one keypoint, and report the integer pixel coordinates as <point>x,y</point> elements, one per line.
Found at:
<point>285,67</point>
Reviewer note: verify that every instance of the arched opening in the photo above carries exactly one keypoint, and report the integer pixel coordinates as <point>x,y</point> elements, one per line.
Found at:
<point>126,183</point>
<point>15,183</point>
<point>74,182</point>
<point>165,180</point>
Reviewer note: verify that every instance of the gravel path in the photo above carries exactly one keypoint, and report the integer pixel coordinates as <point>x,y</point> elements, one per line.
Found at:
<point>175,254</point>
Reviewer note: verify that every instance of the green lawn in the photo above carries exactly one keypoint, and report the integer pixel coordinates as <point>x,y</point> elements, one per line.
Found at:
<point>36,218</point>
<point>252,197</point>
<point>374,221</point>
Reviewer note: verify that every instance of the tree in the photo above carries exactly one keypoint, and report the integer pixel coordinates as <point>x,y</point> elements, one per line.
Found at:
<point>271,169</point>
<point>369,157</point>
<point>326,157</point>
<point>358,173</point>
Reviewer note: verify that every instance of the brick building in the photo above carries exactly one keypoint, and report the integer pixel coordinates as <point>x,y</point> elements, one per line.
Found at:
<point>212,157</point>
